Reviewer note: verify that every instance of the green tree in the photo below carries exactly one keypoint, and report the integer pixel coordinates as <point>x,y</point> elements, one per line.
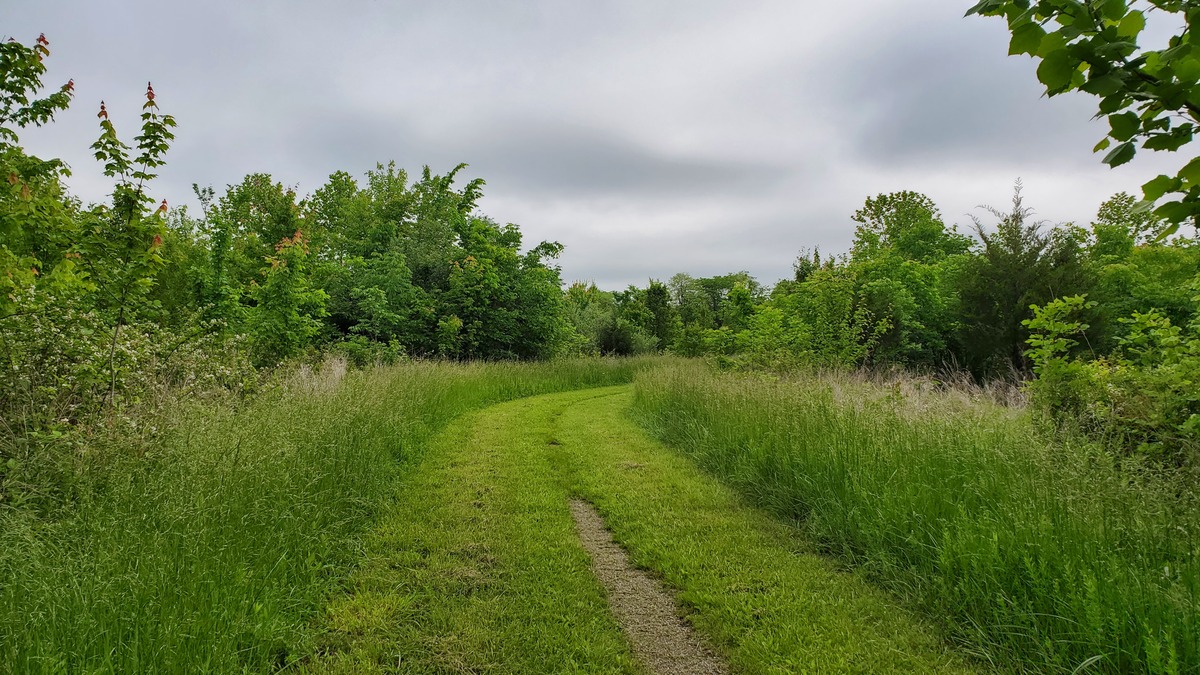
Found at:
<point>692,301</point>
<point>908,223</point>
<point>738,308</point>
<point>36,222</point>
<point>1019,266</point>
<point>287,310</point>
<point>120,245</point>
<point>666,323</point>
<point>589,311</point>
<point>1135,271</point>
<point>904,257</point>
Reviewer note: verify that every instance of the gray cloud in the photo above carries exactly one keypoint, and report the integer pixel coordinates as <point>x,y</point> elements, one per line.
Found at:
<point>930,94</point>
<point>649,138</point>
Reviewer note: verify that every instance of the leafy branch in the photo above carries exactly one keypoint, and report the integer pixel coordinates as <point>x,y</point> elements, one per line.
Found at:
<point>1150,98</point>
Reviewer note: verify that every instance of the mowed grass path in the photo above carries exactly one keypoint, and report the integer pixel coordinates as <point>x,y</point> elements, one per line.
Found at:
<point>477,566</point>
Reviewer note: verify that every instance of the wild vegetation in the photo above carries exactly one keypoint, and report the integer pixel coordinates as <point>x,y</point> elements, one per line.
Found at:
<point>1044,556</point>
<point>209,422</point>
<point>214,548</point>
<point>1105,317</point>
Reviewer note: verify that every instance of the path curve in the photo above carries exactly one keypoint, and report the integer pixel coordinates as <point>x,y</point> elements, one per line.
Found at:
<point>477,565</point>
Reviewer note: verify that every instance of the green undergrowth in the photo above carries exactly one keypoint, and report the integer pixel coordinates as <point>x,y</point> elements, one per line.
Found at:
<point>478,567</point>
<point>1038,557</point>
<point>213,550</point>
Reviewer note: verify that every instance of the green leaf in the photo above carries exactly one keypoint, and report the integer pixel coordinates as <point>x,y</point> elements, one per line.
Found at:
<point>1051,43</point>
<point>1114,9</point>
<point>1102,145</point>
<point>1111,104</point>
<point>1187,69</point>
<point>1158,187</point>
<point>1190,173</point>
<point>1125,125</point>
<point>1169,141</point>
<point>1132,25</point>
<point>984,7</point>
<point>1177,52</point>
<point>1120,154</point>
<point>1026,39</point>
<point>1166,232</point>
<point>1104,85</point>
<point>1175,212</point>
<point>1056,71</point>
<point>1144,206</point>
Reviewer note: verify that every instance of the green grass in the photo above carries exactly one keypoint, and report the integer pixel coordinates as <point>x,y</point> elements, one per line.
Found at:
<point>477,566</point>
<point>1040,557</point>
<point>215,551</point>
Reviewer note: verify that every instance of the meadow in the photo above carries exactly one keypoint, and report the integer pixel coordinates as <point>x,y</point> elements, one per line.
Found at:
<point>214,550</point>
<point>1041,553</point>
<point>238,540</point>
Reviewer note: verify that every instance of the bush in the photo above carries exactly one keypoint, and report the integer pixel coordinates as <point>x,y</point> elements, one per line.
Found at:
<point>1144,398</point>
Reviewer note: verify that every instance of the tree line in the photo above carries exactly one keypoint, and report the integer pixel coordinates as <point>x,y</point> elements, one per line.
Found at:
<point>1104,315</point>
<point>101,304</point>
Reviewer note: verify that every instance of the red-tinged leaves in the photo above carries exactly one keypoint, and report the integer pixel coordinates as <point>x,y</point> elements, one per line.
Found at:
<point>103,114</point>
<point>162,208</point>
<point>12,179</point>
<point>41,47</point>
<point>25,193</point>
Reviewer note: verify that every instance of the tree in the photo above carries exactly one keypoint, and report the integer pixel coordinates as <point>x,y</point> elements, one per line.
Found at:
<point>902,257</point>
<point>1134,272</point>
<point>120,245</point>
<point>1019,266</point>
<point>287,311</point>
<point>34,218</point>
<point>666,318</point>
<point>1151,98</point>
<point>907,222</point>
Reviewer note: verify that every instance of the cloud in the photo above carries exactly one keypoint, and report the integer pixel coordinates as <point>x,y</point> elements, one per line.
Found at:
<point>648,137</point>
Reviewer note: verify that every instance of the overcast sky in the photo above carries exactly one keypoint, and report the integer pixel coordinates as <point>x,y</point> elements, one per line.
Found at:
<point>648,136</point>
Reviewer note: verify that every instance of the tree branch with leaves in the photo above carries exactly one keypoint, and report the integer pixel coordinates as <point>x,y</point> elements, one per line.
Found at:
<point>1150,97</point>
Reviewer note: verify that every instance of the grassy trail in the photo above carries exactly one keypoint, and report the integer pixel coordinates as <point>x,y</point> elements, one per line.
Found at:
<point>478,567</point>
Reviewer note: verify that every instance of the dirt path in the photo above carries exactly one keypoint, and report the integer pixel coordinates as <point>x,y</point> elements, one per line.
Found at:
<point>478,565</point>
<point>647,613</point>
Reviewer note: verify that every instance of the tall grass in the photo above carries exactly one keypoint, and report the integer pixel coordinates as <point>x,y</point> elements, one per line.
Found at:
<point>1040,557</point>
<point>213,551</point>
